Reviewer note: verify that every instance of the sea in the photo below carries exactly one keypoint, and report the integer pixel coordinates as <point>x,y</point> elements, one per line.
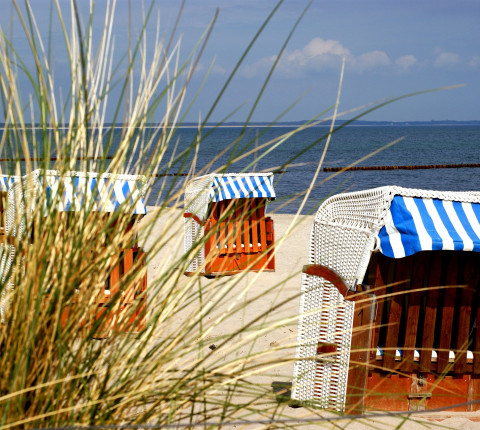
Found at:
<point>295,159</point>
<point>298,159</point>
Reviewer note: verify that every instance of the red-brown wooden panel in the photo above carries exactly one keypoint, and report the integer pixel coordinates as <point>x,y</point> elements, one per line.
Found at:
<point>359,353</point>
<point>413,313</point>
<point>467,278</point>
<point>448,311</point>
<point>383,274</point>
<point>387,392</point>
<point>402,279</point>
<point>430,318</point>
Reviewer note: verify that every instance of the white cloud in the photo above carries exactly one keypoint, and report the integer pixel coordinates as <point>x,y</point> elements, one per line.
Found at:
<point>318,55</point>
<point>405,62</point>
<point>446,59</point>
<point>371,60</point>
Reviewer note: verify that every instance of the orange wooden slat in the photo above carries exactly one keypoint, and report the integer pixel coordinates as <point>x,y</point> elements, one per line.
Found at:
<point>448,312</point>
<point>141,260</point>
<point>254,226</point>
<point>115,280</point>
<point>222,238</point>
<point>430,311</point>
<point>238,228</point>
<point>129,293</point>
<point>230,237</point>
<point>246,225</point>
<point>263,233</point>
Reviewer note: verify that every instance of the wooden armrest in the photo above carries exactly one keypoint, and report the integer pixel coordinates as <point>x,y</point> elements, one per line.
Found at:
<point>195,217</point>
<point>328,274</point>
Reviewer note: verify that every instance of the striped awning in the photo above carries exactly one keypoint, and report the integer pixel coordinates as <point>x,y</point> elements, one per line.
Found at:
<point>6,182</point>
<point>103,193</point>
<point>415,224</point>
<point>234,186</point>
<point>202,191</point>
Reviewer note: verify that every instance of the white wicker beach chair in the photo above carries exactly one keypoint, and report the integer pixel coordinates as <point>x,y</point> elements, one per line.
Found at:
<point>203,192</point>
<point>98,193</point>
<point>347,229</point>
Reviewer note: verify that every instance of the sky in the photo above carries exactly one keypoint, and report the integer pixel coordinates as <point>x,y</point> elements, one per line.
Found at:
<point>390,48</point>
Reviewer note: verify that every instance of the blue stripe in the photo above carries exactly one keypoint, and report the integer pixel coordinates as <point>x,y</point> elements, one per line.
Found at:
<point>229,188</point>
<point>466,224</point>
<point>263,181</point>
<point>218,189</point>
<point>403,221</point>
<point>437,242</point>
<point>457,240</point>
<point>385,245</point>
<point>126,193</point>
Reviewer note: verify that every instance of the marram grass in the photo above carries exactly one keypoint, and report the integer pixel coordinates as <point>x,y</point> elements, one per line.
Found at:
<point>61,369</point>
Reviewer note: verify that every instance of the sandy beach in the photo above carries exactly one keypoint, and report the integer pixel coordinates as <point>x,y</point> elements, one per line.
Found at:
<point>255,301</point>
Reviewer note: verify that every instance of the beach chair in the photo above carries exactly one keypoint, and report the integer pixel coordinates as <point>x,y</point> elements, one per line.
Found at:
<point>225,218</point>
<point>390,304</point>
<point>103,194</point>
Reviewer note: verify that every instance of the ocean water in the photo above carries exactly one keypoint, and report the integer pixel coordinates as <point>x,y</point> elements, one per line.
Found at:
<point>298,156</point>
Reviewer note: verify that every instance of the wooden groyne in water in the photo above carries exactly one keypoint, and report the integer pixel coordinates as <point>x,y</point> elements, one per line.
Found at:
<point>410,167</point>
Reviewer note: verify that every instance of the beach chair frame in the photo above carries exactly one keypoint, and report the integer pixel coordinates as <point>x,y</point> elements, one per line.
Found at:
<point>383,332</point>
<point>108,193</point>
<point>225,220</point>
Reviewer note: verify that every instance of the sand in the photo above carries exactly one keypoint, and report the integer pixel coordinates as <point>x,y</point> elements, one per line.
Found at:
<point>267,290</point>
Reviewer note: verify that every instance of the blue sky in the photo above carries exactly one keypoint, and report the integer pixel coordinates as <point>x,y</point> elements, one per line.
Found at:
<point>390,47</point>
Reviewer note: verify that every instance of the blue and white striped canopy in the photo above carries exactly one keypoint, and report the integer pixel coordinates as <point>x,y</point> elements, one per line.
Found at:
<point>6,182</point>
<point>226,187</point>
<point>105,193</point>
<point>416,224</point>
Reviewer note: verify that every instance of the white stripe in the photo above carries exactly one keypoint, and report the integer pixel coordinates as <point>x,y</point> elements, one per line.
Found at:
<point>3,184</point>
<point>394,237</point>
<point>467,242</point>
<point>79,194</point>
<point>118,192</point>
<point>224,189</point>
<point>472,219</point>
<point>242,187</point>
<point>269,182</point>
<point>423,236</point>
<point>258,188</point>
<point>90,195</point>
<point>105,205</point>
<point>234,187</point>
<point>251,186</point>
<point>439,226</point>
